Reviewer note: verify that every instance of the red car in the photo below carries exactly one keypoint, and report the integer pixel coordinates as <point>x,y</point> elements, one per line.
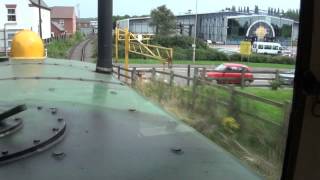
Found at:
<point>233,71</point>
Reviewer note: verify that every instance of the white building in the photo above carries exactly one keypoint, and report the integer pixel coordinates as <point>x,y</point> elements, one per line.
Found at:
<point>16,15</point>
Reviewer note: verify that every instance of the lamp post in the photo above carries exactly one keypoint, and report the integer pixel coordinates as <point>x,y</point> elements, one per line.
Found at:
<point>40,20</point>
<point>195,35</point>
<point>292,29</point>
<point>5,38</point>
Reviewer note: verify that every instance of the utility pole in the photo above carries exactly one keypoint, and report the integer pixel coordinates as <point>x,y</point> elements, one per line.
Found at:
<point>40,20</point>
<point>195,35</point>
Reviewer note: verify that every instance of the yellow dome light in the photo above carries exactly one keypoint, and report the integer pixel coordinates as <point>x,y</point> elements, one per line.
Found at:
<point>27,45</point>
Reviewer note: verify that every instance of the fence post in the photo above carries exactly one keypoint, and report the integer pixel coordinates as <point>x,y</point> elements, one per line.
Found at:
<point>194,86</point>
<point>277,76</point>
<point>188,81</point>
<point>285,123</point>
<point>242,79</point>
<point>133,76</point>
<point>203,73</point>
<point>119,72</point>
<point>171,78</point>
<point>153,74</point>
<point>286,114</point>
<point>232,106</point>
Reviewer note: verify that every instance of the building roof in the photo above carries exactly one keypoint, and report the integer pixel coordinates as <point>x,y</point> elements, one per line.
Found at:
<point>86,20</point>
<point>42,3</point>
<point>62,12</point>
<point>58,26</point>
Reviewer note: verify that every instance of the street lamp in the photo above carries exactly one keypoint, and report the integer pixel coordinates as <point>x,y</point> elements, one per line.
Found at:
<point>5,38</point>
<point>195,35</point>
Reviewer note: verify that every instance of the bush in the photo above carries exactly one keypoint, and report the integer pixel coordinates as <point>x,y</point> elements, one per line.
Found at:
<point>59,48</point>
<point>230,125</point>
<point>201,54</point>
<point>275,84</point>
<point>261,58</point>
<point>184,42</point>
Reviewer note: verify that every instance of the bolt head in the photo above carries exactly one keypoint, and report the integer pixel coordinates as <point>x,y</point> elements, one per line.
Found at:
<point>4,152</point>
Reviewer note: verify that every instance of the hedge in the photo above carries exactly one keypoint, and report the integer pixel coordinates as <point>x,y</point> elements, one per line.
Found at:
<point>261,58</point>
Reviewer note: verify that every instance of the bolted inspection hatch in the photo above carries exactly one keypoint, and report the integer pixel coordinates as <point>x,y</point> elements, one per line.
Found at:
<point>30,131</point>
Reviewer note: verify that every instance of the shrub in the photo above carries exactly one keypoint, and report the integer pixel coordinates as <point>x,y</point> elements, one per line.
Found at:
<point>59,48</point>
<point>230,125</point>
<point>184,42</point>
<point>261,58</point>
<point>275,84</point>
<point>235,57</point>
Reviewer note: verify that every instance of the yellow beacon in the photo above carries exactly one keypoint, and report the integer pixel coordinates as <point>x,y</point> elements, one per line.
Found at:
<point>27,45</point>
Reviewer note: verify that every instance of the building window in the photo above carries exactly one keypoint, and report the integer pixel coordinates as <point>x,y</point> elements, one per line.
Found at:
<point>12,14</point>
<point>61,22</point>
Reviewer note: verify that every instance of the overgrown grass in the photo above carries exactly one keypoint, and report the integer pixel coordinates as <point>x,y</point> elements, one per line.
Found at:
<point>260,136</point>
<point>281,95</point>
<point>215,63</point>
<point>60,48</point>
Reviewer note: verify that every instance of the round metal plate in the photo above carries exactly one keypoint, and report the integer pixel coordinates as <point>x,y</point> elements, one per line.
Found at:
<point>42,128</point>
<point>10,126</point>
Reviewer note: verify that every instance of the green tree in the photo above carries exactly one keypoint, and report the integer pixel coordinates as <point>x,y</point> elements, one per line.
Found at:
<point>292,14</point>
<point>233,9</point>
<point>256,9</point>
<point>164,20</point>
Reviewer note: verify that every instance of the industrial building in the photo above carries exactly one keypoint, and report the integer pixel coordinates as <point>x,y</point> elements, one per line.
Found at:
<point>225,27</point>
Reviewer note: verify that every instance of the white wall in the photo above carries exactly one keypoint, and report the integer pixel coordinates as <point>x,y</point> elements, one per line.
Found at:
<point>26,18</point>
<point>46,22</point>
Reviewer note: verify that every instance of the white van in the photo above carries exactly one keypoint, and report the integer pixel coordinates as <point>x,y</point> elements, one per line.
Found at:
<point>266,48</point>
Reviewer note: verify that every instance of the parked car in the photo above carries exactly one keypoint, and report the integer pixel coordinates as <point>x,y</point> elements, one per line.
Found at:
<point>287,77</point>
<point>231,73</point>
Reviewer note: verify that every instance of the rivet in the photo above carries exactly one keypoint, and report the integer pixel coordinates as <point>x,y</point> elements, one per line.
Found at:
<point>113,92</point>
<point>55,129</point>
<point>177,150</point>
<point>60,119</point>
<point>5,153</point>
<point>54,110</point>
<point>132,110</point>
<point>39,107</point>
<point>17,119</point>
<point>36,141</point>
<point>58,155</point>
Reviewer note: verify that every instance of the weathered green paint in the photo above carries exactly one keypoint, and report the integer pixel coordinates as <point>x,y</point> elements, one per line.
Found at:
<point>104,139</point>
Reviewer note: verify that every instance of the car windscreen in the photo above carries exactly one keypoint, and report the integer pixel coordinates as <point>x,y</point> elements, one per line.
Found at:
<point>221,67</point>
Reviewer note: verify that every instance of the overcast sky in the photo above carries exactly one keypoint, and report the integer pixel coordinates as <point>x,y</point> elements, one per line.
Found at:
<point>88,8</point>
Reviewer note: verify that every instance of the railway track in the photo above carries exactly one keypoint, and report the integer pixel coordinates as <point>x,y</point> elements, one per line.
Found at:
<point>80,51</point>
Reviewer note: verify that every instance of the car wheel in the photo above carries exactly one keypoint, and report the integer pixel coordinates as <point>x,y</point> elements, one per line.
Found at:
<point>247,83</point>
<point>221,82</point>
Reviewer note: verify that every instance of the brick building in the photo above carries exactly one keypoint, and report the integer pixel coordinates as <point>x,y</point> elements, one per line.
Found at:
<point>63,20</point>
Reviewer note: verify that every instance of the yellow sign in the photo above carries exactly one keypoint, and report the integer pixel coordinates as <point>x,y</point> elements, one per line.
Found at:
<point>245,48</point>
